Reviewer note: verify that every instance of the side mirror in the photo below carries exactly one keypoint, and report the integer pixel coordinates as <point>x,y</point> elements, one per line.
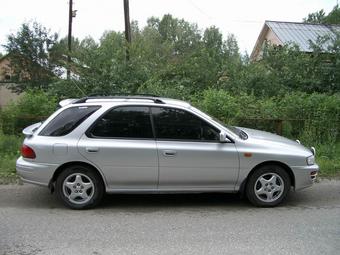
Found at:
<point>223,137</point>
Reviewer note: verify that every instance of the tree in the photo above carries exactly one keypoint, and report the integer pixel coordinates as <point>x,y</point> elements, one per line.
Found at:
<point>196,61</point>
<point>320,17</point>
<point>168,54</point>
<point>315,17</point>
<point>326,52</point>
<point>334,16</point>
<point>30,59</point>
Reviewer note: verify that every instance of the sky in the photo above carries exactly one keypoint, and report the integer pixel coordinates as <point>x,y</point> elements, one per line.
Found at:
<point>243,18</point>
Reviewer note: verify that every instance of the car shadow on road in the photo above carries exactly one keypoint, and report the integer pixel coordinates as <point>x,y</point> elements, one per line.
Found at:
<point>38,197</point>
<point>147,202</point>
<point>184,201</point>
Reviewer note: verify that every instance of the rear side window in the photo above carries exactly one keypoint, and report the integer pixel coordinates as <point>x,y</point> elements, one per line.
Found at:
<point>66,121</point>
<point>124,122</point>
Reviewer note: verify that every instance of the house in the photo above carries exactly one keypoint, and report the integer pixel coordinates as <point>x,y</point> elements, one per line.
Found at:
<point>283,33</point>
<point>6,95</point>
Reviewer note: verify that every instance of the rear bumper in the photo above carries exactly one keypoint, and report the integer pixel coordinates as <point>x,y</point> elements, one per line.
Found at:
<point>305,176</point>
<point>33,172</point>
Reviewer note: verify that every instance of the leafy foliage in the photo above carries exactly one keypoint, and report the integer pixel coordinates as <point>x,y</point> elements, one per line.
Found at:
<point>174,58</point>
<point>29,53</point>
<point>285,69</point>
<point>170,52</point>
<point>313,118</point>
<point>320,17</point>
<point>33,106</point>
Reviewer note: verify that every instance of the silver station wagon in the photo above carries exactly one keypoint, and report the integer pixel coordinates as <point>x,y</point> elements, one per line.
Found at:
<point>148,144</point>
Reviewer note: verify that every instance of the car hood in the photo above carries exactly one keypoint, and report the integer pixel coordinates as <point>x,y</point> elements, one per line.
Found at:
<point>263,135</point>
<point>274,141</point>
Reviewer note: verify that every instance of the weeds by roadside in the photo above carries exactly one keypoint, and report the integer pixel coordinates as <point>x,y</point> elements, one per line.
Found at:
<point>9,152</point>
<point>328,158</point>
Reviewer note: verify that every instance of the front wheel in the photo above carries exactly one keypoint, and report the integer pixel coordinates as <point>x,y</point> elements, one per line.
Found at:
<point>79,187</point>
<point>268,186</point>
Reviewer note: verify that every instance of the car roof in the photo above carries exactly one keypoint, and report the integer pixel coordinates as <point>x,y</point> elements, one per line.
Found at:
<point>125,99</point>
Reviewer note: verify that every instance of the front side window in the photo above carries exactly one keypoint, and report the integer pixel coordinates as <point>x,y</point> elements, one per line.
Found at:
<point>124,122</point>
<point>68,120</point>
<point>177,124</point>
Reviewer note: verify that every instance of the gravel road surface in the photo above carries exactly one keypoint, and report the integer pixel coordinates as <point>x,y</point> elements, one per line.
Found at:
<point>34,222</point>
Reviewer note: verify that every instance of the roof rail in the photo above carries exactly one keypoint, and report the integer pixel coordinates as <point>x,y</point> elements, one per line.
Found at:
<point>122,94</point>
<point>152,98</point>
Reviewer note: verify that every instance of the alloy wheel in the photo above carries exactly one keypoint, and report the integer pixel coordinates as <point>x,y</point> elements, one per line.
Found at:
<point>269,187</point>
<point>78,188</point>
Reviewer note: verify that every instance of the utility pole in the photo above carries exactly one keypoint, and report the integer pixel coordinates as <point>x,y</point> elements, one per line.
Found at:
<point>127,27</point>
<point>71,15</point>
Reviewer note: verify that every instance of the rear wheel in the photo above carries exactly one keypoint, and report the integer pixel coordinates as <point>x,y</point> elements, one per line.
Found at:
<point>268,186</point>
<point>79,187</point>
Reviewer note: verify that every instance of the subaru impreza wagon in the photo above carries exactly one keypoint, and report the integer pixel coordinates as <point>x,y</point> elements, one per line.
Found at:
<point>148,144</point>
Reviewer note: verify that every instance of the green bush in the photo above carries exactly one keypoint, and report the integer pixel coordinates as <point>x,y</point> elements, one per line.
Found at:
<point>313,118</point>
<point>165,89</point>
<point>9,145</point>
<point>319,115</point>
<point>32,107</point>
<point>9,152</point>
<point>241,110</point>
<point>328,158</point>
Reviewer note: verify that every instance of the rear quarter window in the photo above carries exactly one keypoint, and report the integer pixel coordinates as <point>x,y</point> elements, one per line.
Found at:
<point>66,121</point>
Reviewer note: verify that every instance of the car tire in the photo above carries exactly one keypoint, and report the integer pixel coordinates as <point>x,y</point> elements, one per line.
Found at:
<point>268,186</point>
<point>79,187</point>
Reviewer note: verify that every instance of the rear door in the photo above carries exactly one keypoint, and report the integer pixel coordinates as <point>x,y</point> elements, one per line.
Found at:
<point>122,145</point>
<point>190,154</point>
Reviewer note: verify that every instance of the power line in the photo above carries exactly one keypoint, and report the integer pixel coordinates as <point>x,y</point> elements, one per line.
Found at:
<point>214,18</point>
<point>200,9</point>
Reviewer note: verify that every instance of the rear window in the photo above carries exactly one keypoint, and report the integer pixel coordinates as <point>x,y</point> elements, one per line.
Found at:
<point>66,121</point>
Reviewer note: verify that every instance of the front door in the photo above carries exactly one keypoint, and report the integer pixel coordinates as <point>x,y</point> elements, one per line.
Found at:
<point>190,154</point>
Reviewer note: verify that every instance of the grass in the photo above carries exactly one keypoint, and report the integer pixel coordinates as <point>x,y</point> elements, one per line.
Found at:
<point>7,166</point>
<point>328,157</point>
<point>7,170</point>
<point>9,152</point>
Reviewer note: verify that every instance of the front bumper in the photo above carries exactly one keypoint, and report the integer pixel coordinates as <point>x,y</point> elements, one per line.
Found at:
<point>33,172</point>
<point>305,176</point>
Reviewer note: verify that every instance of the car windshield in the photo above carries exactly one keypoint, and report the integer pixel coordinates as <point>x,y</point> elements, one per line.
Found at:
<point>235,130</point>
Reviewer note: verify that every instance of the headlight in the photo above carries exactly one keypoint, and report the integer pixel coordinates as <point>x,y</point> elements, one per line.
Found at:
<point>311,160</point>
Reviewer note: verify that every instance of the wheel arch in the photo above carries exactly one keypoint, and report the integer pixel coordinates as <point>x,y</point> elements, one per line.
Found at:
<point>72,163</point>
<point>272,162</point>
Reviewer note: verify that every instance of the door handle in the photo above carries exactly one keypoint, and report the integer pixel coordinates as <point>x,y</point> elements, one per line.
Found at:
<point>92,149</point>
<point>169,153</point>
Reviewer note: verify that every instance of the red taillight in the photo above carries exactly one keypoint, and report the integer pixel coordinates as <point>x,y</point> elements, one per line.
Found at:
<point>27,152</point>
